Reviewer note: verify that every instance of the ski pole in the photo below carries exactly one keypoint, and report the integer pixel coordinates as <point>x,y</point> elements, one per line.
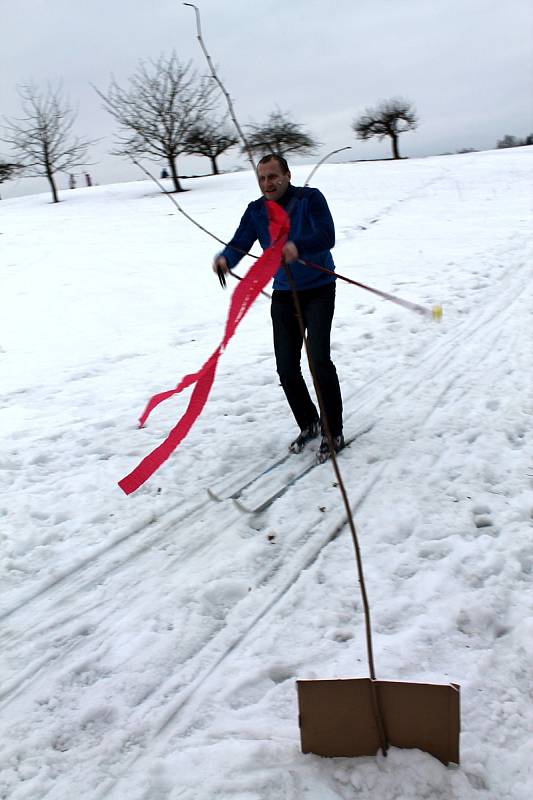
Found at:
<point>435,312</point>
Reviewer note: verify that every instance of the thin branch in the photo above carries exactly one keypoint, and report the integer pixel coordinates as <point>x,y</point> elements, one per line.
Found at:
<point>326,157</point>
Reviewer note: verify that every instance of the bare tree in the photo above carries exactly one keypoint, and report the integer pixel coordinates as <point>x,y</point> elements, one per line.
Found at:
<point>389,118</point>
<point>164,102</point>
<point>280,135</point>
<point>210,139</point>
<point>43,141</point>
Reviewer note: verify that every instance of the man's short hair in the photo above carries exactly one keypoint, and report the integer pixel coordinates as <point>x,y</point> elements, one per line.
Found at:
<point>274,157</point>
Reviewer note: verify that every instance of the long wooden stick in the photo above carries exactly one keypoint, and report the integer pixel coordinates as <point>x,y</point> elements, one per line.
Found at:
<point>376,705</point>
<point>221,85</point>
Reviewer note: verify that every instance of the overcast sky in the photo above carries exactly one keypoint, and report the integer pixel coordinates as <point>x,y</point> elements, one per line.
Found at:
<point>467,65</point>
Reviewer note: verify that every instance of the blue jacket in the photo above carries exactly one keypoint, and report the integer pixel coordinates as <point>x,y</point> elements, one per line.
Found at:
<point>312,231</point>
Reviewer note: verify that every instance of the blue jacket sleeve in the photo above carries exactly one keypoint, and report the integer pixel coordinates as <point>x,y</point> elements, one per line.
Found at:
<point>242,240</point>
<point>318,234</point>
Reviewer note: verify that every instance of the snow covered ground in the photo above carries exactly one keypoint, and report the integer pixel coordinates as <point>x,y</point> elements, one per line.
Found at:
<point>150,644</point>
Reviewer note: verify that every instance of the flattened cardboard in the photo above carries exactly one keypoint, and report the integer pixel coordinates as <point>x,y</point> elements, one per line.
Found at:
<point>336,717</point>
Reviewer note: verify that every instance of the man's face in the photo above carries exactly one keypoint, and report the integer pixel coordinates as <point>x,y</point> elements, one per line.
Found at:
<point>272,180</point>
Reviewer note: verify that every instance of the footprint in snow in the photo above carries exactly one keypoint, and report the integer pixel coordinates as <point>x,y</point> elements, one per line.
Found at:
<point>516,438</point>
<point>482,516</point>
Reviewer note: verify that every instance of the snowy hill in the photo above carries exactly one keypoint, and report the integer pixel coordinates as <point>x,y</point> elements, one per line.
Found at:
<point>150,644</point>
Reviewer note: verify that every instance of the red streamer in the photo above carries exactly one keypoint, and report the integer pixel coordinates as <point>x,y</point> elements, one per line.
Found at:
<point>244,295</point>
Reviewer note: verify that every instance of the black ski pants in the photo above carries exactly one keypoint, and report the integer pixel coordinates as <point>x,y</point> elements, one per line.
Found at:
<point>317,306</point>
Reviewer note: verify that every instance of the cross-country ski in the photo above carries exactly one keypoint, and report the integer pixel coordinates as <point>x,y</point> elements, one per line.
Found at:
<point>257,497</point>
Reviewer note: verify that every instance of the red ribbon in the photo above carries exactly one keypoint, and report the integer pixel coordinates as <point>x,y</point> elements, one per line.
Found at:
<point>244,295</point>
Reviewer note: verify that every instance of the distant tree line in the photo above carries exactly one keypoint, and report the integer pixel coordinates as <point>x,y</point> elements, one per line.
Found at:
<point>514,141</point>
<point>8,170</point>
<point>504,142</point>
<point>165,111</point>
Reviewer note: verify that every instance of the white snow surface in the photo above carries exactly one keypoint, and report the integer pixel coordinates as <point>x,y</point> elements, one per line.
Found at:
<point>150,644</point>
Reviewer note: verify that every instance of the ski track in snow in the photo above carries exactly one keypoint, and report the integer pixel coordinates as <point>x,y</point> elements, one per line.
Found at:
<point>142,661</point>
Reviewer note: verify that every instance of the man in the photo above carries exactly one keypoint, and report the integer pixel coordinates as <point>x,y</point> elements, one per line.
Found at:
<point>311,237</point>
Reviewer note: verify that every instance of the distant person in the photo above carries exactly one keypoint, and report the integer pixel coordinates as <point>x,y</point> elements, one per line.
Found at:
<point>72,181</point>
<point>88,180</point>
<point>164,173</point>
<point>311,236</point>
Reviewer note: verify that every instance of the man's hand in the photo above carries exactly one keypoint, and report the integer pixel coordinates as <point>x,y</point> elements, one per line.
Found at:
<point>289,253</point>
<point>220,266</point>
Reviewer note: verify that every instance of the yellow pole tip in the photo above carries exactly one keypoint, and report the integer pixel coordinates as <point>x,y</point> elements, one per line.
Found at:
<point>436,312</point>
